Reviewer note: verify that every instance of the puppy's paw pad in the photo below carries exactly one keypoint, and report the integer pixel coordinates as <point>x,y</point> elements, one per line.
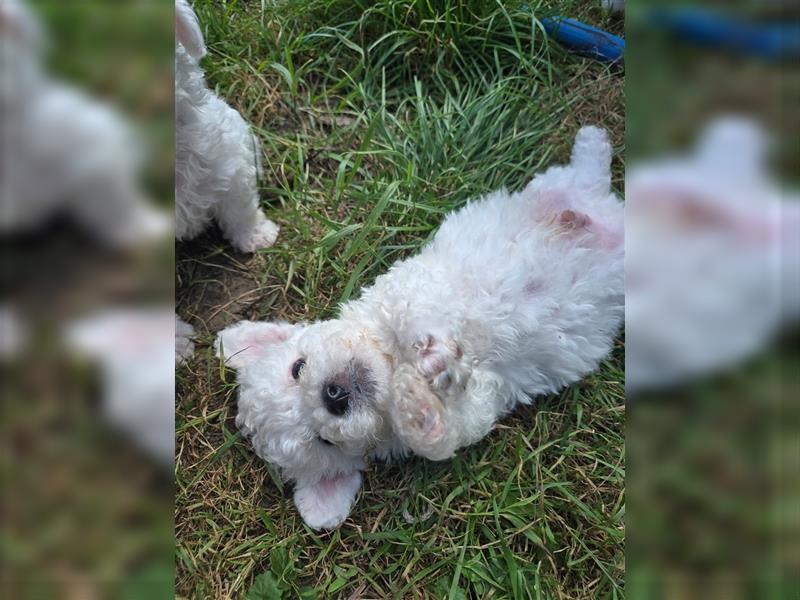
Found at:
<point>442,381</point>
<point>428,421</point>
<point>419,413</point>
<point>434,356</point>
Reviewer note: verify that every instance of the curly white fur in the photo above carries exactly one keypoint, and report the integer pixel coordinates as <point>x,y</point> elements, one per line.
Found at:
<point>217,156</point>
<point>517,295</point>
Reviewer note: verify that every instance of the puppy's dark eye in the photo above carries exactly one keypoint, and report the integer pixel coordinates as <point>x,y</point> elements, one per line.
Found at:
<point>297,367</point>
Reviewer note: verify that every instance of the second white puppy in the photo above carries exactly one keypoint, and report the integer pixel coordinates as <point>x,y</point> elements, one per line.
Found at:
<point>517,295</point>
<point>216,162</point>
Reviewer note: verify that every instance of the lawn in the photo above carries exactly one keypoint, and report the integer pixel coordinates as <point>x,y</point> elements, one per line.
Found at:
<point>376,119</point>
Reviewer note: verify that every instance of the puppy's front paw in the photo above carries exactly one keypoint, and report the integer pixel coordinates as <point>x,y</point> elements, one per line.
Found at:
<point>419,418</point>
<point>262,235</point>
<point>437,359</point>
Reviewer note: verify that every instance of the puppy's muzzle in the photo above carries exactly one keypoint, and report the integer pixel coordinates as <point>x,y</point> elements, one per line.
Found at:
<point>354,385</point>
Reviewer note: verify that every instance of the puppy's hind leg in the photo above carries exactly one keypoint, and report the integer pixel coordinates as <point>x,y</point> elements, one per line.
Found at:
<point>591,159</point>
<point>111,207</point>
<point>239,215</point>
<point>242,221</point>
<point>245,225</point>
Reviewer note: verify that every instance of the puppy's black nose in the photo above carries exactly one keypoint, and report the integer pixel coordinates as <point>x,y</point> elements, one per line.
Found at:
<point>336,399</point>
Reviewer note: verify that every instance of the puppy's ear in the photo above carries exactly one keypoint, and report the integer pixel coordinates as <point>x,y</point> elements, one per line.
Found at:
<point>121,333</point>
<point>248,341</point>
<point>187,30</point>
<point>325,504</point>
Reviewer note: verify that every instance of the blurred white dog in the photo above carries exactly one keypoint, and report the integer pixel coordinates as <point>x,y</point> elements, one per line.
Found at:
<point>217,162</point>
<point>64,152</point>
<point>517,295</point>
<point>711,258</point>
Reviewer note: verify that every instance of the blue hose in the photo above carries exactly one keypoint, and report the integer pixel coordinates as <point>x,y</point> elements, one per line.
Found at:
<point>584,39</point>
<point>775,40</point>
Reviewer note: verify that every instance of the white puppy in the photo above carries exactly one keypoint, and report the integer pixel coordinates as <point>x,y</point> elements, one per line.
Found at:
<point>64,152</point>
<point>217,162</point>
<point>712,258</point>
<point>517,295</point>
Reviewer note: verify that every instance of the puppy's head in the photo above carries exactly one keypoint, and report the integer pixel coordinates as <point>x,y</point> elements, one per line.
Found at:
<point>312,400</point>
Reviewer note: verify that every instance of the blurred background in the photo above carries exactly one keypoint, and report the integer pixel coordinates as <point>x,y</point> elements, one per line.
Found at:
<point>86,321</point>
<point>712,300</point>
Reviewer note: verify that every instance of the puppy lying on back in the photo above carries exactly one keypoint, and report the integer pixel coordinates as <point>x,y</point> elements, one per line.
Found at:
<point>216,154</point>
<point>517,295</point>
<point>712,258</point>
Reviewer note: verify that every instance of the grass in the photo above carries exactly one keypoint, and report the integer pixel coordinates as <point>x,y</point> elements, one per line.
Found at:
<point>376,119</point>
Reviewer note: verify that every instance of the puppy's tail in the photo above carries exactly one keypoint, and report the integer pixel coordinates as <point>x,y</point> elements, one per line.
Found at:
<point>187,30</point>
<point>591,158</point>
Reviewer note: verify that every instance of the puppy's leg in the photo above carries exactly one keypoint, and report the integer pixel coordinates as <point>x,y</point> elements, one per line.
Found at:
<point>591,159</point>
<point>419,418</point>
<point>244,224</point>
<point>438,358</point>
<point>239,215</point>
<point>112,208</point>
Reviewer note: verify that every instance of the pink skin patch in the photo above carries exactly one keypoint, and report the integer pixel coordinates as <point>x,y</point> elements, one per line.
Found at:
<point>693,210</point>
<point>553,206</point>
<point>273,335</point>
<point>607,238</point>
<point>437,430</point>
<point>427,420</point>
<point>574,220</point>
<point>455,349</point>
<point>533,287</point>
<point>601,236</point>
<point>328,485</point>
